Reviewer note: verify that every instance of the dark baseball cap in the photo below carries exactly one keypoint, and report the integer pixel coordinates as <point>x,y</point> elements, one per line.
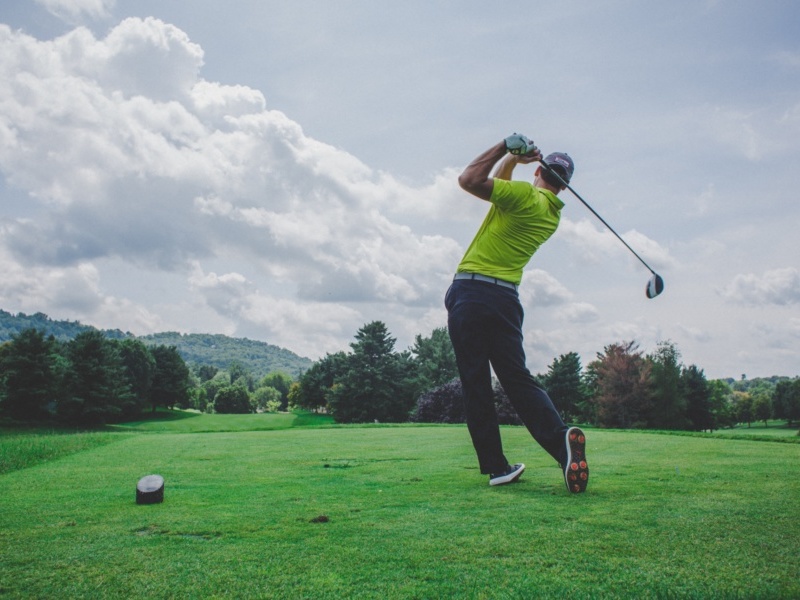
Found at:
<point>562,163</point>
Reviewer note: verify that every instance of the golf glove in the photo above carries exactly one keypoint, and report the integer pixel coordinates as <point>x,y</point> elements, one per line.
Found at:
<point>519,144</point>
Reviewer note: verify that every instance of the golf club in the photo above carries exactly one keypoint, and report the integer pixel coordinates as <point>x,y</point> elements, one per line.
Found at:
<point>655,284</point>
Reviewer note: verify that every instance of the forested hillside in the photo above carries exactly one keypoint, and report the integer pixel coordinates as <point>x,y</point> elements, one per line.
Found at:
<point>219,351</point>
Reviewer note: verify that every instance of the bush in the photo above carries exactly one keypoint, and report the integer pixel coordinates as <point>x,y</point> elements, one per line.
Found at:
<point>233,400</point>
<point>506,415</point>
<point>445,404</point>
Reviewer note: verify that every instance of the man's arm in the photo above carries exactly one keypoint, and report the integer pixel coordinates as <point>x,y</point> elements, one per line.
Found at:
<point>476,177</point>
<point>506,167</point>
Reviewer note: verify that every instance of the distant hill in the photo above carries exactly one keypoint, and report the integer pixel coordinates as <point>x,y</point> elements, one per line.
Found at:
<point>219,351</point>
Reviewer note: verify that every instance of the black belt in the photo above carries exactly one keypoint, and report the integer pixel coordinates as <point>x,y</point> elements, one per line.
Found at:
<point>486,278</point>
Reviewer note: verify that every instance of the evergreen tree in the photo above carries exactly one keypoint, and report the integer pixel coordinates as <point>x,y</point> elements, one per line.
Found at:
<point>699,409</point>
<point>29,375</point>
<point>171,381</point>
<point>434,361</point>
<point>96,382</point>
<point>668,408</point>
<point>140,367</point>
<point>376,383</point>
<point>564,384</point>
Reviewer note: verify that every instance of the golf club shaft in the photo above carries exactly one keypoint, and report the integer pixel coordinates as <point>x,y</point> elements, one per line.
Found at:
<point>594,212</point>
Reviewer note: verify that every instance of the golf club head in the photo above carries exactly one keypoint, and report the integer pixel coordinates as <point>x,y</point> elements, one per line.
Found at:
<point>654,286</point>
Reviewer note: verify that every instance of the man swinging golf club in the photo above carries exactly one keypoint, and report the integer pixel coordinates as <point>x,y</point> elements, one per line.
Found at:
<point>485,314</point>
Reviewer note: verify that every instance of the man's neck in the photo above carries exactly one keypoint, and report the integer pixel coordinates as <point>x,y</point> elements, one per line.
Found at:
<point>541,183</point>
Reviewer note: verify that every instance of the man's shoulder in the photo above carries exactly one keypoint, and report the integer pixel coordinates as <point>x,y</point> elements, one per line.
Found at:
<point>504,189</point>
<point>523,194</point>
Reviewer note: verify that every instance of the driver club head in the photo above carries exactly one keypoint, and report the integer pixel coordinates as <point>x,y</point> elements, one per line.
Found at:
<point>654,286</point>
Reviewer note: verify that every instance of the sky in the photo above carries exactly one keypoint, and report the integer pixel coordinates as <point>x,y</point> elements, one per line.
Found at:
<point>287,171</point>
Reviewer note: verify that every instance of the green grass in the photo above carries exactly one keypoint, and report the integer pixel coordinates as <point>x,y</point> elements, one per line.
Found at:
<point>23,450</point>
<point>406,515</point>
<point>775,429</point>
<point>194,422</point>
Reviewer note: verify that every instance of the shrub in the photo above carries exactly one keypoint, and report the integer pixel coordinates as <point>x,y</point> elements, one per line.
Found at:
<point>445,404</point>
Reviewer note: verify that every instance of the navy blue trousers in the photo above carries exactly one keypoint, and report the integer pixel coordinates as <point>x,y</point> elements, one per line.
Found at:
<point>485,325</point>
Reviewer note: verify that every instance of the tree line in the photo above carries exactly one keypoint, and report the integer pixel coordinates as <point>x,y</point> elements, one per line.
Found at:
<point>89,380</point>
<point>621,388</point>
<point>92,379</point>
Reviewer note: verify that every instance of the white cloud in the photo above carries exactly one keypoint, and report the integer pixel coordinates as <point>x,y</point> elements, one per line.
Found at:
<point>595,245</point>
<point>72,293</point>
<point>129,173</point>
<point>778,286</point>
<point>73,11</point>
<point>308,328</point>
<point>135,158</point>
<point>542,289</point>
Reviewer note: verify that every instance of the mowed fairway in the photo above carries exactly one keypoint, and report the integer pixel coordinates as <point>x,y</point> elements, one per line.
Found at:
<point>401,512</point>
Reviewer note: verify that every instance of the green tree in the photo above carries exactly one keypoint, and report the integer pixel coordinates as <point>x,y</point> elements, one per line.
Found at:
<point>434,361</point>
<point>762,407</point>
<point>699,408</point>
<point>315,385</point>
<point>743,407</point>
<point>96,381</point>
<point>140,369</point>
<point>171,381</point>
<point>214,385</point>
<point>721,399</point>
<point>233,399</point>
<point>565,386</point>
<point>200,399</point>
<point>29,375</point>
<point>786,400</point>
<point>668,408</point>
<point>267,399</point>
<point>279,381</point>
<point>240,374</point>
<point>206,372</point>
<point>376,383</point>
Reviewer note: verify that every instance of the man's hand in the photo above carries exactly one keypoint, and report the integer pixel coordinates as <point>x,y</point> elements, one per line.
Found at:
<point>519,144</point>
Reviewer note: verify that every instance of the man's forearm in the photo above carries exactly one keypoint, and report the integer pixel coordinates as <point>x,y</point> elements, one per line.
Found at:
<point>506,167</point>
<point>475,178</point>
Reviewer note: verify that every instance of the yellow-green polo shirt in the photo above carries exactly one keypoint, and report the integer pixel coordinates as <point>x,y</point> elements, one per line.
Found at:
<point>522,217</point>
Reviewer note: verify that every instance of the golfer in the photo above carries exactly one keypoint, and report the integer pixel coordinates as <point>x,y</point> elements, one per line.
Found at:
<point>485,314</point>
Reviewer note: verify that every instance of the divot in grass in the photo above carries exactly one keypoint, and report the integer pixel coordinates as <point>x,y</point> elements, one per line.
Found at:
<point>320,519</point>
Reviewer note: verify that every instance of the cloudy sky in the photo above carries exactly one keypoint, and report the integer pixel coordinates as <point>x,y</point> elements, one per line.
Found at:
<point>286,171</point>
